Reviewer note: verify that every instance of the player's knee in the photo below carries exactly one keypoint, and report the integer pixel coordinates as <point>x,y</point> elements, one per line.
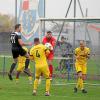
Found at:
<point>15,61</point>
<point>50,62</point>
<point>27,55</point>
<point>27,61</point>
<point>84,77</point>
<point>47,78</point>
<point>19,71</point>
<point>37,77</point>
<point>80,74</point>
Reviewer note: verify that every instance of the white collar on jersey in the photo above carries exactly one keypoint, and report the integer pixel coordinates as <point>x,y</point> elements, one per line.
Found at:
<point>18,33</point>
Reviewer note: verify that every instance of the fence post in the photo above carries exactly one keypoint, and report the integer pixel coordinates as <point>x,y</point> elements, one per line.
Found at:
<point>68,68</point>
<point>4,60</point>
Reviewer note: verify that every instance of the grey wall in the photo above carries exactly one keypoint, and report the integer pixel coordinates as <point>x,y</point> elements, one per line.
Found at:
<point>5,47</point>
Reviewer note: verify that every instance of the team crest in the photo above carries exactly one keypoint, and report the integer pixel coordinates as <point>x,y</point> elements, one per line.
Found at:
<point>28,16</point>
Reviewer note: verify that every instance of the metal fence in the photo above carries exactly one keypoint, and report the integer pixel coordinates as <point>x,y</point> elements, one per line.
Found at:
<point>66,70</point>
<point>5,47</point>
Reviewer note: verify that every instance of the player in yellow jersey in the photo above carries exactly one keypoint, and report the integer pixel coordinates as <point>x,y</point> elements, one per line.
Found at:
<point>82,54</point>
<point>21,67</point>
<point>38,54</point>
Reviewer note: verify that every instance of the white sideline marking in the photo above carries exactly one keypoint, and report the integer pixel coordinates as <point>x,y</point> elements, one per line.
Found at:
<point>66,58</point>
<point>62,96</point>
<point>5,56</point>
<point>92,84</point>
<point>58,96</point>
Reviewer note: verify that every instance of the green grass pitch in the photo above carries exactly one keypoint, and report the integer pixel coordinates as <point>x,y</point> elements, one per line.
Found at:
<point>9,90</point>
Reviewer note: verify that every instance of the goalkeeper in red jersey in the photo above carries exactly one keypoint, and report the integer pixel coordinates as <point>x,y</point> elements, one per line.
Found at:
<point>50,39</point>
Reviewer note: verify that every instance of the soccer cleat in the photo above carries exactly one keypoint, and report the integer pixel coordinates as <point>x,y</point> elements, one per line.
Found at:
<point>26,71</point>
<point>75,90</point>
<point>17,81</point>
<point>34,92</point>
<point>84,91</point>
<point>30,82</point>
<point>39,80</point>
<point>50,78</point>
<point>10,76</point>
<point>47,94</point>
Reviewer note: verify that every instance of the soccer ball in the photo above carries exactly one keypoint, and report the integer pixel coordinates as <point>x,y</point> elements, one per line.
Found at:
<point>49,46</point>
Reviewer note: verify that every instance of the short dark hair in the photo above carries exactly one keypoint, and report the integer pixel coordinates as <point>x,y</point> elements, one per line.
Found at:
<point>62,37</point>
<point>49,32</point>
<point>17,26</point>
<point>82,41</point>
<point>36,40</point>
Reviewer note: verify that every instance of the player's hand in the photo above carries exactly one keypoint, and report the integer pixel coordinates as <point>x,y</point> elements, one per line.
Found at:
<point>77,57</point>
<point>30,43</point>
<point>88,56</point>
<point>51,47</point>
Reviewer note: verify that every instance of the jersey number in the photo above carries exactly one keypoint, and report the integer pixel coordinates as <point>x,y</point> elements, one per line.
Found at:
<point>37,54</point>
<point>13,39</point>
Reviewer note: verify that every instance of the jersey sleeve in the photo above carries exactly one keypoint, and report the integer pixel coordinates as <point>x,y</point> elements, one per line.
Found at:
<point>26,49</point>
<point>53,41</point>
<point>31,51</point>
<point>76,51</point>
<point>47,51</point>
<point>19,35</point>
<point>31,54</point>
<point>44,40</point>
<point>88,51</point>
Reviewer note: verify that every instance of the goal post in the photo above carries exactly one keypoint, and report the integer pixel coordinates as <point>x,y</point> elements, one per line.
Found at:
<point>84,19</point>
<point>83,31</point>
<point>88,20</point>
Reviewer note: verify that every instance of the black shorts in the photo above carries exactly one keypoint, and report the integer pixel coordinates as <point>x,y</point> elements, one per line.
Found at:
<point>18,51</point>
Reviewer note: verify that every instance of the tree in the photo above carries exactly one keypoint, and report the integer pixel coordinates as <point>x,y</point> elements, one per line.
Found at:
<point>6,23</point>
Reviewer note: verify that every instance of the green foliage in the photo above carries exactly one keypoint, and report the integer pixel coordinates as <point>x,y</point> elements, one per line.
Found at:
<point>6,23</point>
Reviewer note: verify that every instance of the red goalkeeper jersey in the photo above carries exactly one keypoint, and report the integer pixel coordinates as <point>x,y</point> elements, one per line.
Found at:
<point>52,41</point>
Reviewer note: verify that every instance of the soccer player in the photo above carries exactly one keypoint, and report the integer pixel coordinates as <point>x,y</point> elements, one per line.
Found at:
<point>66,49</point>
<point>17,43</point>
<point>82,54</point>
<point>21,66</point>
<point>50,39</point>
<point>38,54</point>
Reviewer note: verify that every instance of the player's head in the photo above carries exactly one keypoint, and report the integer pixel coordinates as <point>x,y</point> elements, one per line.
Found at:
<point>82,44</point>
<point>49,34</point>
<point>62,39</point>
<point>36,41</point>
<point>18,27</point>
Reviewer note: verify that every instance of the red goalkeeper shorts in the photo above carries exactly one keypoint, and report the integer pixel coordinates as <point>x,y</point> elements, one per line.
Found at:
<point>50,56</point>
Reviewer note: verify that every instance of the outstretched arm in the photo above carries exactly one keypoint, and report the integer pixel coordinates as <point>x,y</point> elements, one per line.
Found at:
<point>24,44</point>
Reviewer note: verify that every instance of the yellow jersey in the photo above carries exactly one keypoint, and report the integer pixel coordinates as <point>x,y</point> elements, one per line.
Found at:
<point>38,53</point>
<point>22,59</point>
<point>82,55</point>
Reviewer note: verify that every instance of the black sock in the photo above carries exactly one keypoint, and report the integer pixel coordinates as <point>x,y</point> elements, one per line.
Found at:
<point>27,63</point>
<point>17,75</point>
<point>28,73</point>
<point>12,67</point>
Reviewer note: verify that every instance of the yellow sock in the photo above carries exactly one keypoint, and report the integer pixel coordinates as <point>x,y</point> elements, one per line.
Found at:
<point>17,80</point>
<point>47,85</point>
<point>30,78</point>
<point>81,84</point>
<point>78,83</point>
<point>36,84</point>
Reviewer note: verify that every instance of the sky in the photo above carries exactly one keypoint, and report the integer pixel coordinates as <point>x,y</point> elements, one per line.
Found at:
<point>57,8</point>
